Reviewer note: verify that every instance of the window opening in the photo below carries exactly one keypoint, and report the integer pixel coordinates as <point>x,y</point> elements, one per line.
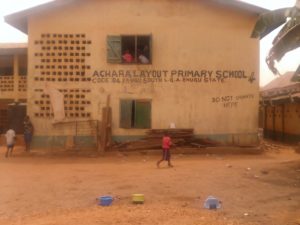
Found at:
<point>135,113</point>
<point>23,65</point>
<point>129,49</point>
<point>6,65</point>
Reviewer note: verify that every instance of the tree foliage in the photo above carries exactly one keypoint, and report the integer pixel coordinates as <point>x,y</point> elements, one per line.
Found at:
<point>286,40</point>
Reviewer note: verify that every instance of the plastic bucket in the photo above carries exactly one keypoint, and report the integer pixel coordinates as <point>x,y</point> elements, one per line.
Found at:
<point>105,200</point>
<point>212,203</point>
<point>138,198</point>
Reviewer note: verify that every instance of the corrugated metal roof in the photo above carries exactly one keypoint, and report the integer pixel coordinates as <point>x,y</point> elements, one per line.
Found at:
<point>281,86</point>
<point>19,20</point>
<point>280,82</point>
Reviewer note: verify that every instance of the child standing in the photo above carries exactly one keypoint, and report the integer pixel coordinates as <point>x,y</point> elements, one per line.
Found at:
<point>166,155</point>
<point>10,141</point>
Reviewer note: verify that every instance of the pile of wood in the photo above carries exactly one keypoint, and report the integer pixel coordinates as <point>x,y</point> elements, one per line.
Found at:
<point>203,142</point>
<point>153,139</point>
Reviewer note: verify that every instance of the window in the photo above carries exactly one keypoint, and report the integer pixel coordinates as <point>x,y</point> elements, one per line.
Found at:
<point>135,113</point>
<point>3,119</point>
<point>23,65</point>
<point>6,65</point>
<point>129,49</point>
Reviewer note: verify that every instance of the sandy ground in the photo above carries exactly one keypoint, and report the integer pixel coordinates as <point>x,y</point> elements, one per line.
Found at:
<point>43,189</point>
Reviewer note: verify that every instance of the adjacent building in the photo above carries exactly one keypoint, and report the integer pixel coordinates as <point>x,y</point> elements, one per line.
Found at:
<point>280,107</point>
<point>13,85</point>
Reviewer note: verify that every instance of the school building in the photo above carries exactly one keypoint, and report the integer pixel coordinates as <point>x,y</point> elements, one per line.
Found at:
<point>192,64</point>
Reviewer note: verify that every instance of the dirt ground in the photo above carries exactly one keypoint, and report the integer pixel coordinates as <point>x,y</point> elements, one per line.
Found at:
<point>45,189</point>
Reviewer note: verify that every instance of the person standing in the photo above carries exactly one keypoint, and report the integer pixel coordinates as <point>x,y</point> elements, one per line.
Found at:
<point>10,142</point>
<point>143,59</point>
<point>166,154</point>
<point>28,132</point>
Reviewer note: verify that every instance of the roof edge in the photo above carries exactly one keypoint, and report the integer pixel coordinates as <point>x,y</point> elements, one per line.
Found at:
<point>13,45</point>
<point>243,6</point>
<point>19,20</point>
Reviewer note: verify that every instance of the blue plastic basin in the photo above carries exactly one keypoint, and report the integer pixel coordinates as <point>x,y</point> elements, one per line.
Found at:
<point>105,200</point>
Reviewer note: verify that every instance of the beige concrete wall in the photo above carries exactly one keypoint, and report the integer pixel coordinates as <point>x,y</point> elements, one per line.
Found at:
<point>187,35</point>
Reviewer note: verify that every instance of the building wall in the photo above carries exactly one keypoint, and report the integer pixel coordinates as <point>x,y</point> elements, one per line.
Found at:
<point>292,116</point>
<point>13,86</point>
<point>282,122</point>
<point>191,36</point>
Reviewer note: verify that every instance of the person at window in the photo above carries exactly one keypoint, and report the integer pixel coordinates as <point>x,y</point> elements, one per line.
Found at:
<point>142,58</point>
<point>28,132</point>
<point>146,51</point>
<point>127,57</point>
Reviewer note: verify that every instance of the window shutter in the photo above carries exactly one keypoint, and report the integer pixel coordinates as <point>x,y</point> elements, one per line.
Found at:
<point>125,113</point>
<point>114,49</point>
<point>142,114</point>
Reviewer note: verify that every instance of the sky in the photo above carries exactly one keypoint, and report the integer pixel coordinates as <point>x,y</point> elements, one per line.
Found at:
<point>288,63</point>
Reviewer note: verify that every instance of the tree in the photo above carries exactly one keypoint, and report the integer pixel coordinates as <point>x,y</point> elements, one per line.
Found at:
<point>288,37</point>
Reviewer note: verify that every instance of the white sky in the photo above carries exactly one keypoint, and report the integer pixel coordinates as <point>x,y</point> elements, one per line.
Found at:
<point>288,63</point>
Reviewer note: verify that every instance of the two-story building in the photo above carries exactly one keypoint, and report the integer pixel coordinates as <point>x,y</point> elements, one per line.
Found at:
<point>190,63</point>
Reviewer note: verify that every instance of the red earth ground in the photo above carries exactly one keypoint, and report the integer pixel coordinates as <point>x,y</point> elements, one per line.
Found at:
<point>42,188</point>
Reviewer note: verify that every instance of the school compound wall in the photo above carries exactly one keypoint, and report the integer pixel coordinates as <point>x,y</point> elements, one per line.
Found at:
<point>203,72</point>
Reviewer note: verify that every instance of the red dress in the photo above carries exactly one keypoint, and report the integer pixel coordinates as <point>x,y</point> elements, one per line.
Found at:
<point>166,143</point>
<point>127,57</point>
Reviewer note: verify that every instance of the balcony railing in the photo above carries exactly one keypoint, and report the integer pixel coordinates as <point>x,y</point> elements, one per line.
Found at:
<point>8,87</point>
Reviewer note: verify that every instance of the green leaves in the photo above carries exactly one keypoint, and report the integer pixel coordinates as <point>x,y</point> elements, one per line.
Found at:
<point>268,22</point>
<point>286,40</point>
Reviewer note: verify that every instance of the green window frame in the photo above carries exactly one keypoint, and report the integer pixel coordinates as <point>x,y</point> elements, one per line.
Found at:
<point>136,45</point>
<point>135,113</point>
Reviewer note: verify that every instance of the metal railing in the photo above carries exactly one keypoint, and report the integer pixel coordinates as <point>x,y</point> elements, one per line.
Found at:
<point>80,134</point>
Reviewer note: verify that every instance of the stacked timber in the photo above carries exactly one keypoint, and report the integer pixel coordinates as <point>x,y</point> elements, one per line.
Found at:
<point>153,139</point>
<point>203,143</point>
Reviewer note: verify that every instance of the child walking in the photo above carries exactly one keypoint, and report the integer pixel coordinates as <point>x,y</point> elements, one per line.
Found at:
<point>166,155</point>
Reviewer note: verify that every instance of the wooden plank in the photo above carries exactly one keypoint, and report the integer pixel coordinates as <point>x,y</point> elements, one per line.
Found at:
<point>105,140</point>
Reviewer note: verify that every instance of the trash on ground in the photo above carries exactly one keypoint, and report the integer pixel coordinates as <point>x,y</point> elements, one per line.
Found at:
<point>138,198</point>
<point>105,200</point>
<point>212,203</point>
